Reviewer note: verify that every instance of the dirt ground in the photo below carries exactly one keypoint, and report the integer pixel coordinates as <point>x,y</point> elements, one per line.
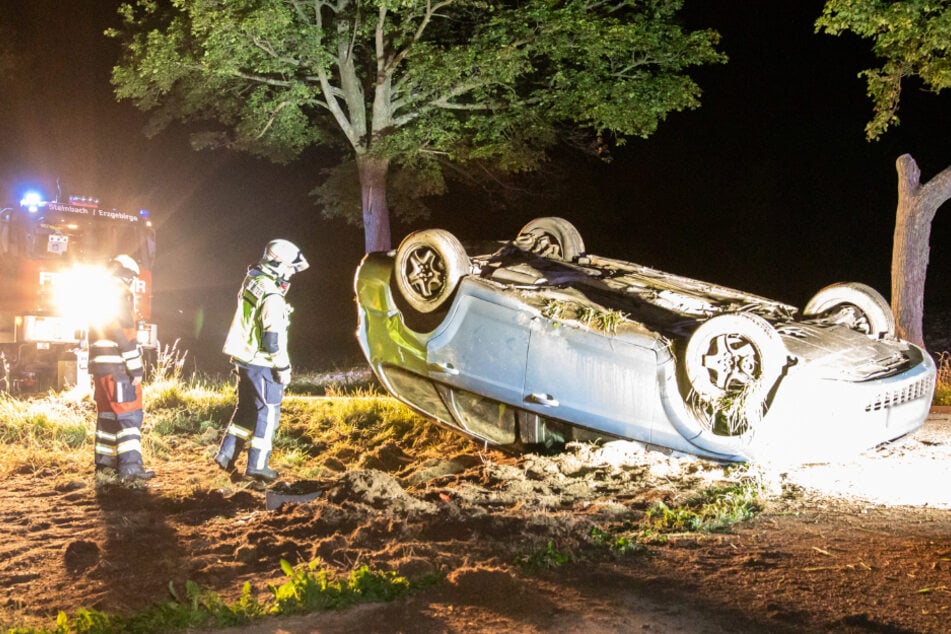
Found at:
<point>858,546</point>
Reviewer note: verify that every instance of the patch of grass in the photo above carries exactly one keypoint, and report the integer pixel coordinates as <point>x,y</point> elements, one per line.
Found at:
<point>587,315</point>
<point>169,363</point>
<point>617,542</point>
<point>713,510</point>
<point>200,399</point>
<point>58,421</point>
<point>543,559</point>
<point>553,309</point>
<point>343,428</point>
<point>307,589</point>
<point>190,415</point>
<point>942,390</point>
<point>609,320</point>
<point>733,413</point>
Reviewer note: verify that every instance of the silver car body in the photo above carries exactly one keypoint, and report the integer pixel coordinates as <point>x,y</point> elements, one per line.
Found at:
<point>529,351</point>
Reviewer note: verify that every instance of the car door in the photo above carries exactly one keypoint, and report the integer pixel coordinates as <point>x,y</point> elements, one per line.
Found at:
<point>590,378</point>
<point>482,346</point>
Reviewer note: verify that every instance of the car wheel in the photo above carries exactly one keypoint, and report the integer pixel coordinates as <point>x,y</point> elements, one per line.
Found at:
<point>429,265</point>
<point>732,363</point>
<point>551,237</point>
<point>855,305</point>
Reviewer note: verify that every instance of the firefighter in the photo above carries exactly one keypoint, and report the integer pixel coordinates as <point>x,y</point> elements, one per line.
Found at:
<point>115,361</point>
<point>257,345</point>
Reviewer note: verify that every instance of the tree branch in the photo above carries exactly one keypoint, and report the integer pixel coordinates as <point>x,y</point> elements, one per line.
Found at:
<point>271,119</point>
<point>937,191</point>
<point>431,10</point>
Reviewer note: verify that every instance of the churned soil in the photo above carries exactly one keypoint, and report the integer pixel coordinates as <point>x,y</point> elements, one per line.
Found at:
<point>520,544</point>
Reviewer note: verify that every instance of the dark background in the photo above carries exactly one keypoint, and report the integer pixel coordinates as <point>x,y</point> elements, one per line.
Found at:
<point>769,187</point>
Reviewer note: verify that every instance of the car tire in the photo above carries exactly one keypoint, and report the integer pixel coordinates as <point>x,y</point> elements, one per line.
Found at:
<point>730,355</point>
<point>428,266</point>
<point>552,238</point>
<point>855,305</point>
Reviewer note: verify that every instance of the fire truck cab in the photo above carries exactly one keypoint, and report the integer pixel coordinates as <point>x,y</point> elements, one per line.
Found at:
<point>53,258</point>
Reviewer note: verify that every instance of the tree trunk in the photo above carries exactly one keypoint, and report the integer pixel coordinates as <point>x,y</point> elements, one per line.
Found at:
<point>917,205</point>
<point>376,214</point>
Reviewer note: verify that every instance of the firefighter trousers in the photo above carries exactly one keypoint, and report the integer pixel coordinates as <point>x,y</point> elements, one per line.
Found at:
<point>255,418</point>
<point>118,422</point>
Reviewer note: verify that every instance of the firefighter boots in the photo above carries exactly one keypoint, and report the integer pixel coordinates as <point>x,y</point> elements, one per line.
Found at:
<point>265,474</point>
<point>135,472</point>
<point>225,462</point>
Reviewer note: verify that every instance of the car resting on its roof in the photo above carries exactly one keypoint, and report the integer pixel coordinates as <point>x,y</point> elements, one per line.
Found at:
<point>533,342</point>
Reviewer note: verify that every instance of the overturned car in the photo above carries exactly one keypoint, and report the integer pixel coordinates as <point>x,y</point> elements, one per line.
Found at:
<point>530,343</point>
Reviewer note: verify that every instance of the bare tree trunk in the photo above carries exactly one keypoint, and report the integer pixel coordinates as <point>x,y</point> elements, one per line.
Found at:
<point>917,206</point>
<point>376,214</point>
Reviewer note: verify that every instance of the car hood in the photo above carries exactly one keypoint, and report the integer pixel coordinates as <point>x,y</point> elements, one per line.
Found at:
<point>840,353</point>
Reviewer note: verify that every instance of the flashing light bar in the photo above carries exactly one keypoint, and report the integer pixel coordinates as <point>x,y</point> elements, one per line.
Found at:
<point>32,201</point>
<point>84,201</point>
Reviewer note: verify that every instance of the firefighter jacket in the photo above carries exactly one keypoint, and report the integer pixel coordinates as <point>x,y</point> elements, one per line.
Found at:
<point>113,347</point>
<point>258,333</point>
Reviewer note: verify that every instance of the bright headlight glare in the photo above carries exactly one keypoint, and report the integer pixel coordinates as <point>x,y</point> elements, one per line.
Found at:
<point>86,295</point>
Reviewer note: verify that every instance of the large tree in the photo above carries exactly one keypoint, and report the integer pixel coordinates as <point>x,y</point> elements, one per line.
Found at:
<point>408,85</point>
<point>913,40</point>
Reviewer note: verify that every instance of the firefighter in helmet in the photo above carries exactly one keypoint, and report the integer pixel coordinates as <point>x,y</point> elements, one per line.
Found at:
<point>115,361</point>
<point>257,345</point>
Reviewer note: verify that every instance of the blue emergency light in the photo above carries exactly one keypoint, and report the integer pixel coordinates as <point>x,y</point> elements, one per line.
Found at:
<point>32,201</point>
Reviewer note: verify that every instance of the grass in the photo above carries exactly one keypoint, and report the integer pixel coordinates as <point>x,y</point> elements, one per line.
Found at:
<point>942,391</point>
<point>55,422</point>
<point>53,433</point>
<point>545,559</point>
<point>711,510</point>
<point>308,588</point>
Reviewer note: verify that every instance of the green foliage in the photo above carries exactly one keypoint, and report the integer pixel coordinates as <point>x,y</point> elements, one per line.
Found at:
<point>307,589</point>
<point>713,510</point>
<point>609,320</point>
<point>543,559</point>
<point>618,543</point>
<point>733,413</point>
<point>56,422</point>
<point>189,409</point>
<point>413,84</point>
<point>942,390</point>
<point>553,309</point>
<point>912,38</point>
<point>322,431</point>
<point>200,400</point>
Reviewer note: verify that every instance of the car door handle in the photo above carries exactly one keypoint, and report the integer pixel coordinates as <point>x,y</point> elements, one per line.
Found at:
<point>444,368</point>
<point>542,399</point>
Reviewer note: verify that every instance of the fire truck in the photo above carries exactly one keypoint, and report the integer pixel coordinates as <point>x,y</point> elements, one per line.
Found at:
<point>53,265</point>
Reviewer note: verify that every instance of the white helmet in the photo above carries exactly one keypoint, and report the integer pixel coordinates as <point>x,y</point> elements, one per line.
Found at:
<point>284,257</point>
<point>124,267</point>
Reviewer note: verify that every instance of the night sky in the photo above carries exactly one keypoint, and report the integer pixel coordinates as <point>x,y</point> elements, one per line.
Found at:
<point>770,186</point>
